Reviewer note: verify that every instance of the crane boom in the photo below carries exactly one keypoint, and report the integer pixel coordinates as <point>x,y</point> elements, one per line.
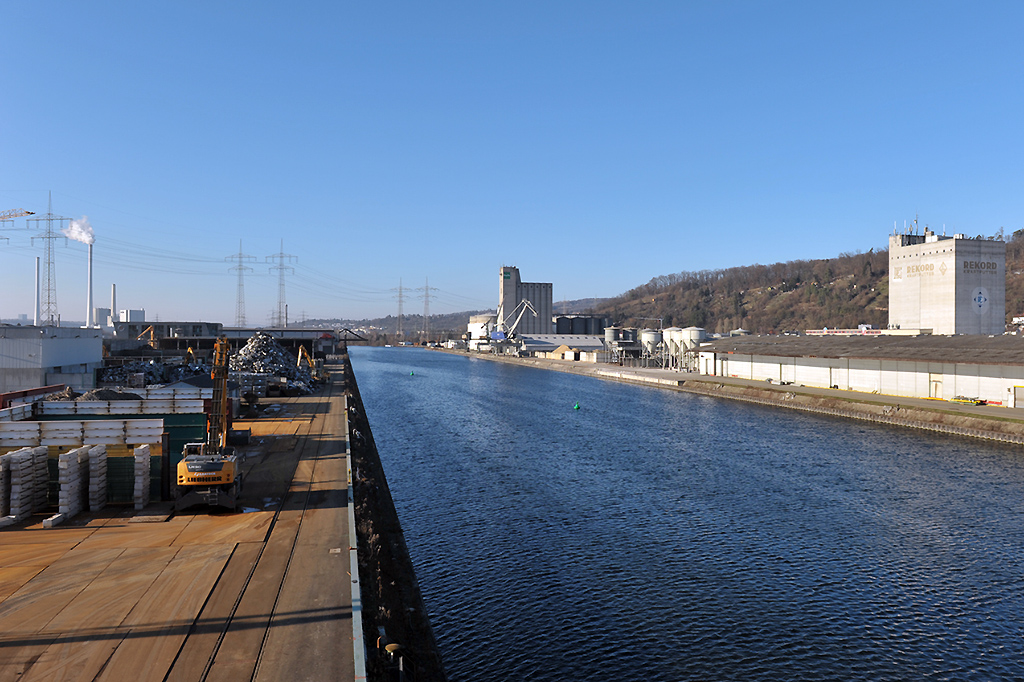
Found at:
<point>15,213</point>
<point>526,306</point>
<point>218,414</point>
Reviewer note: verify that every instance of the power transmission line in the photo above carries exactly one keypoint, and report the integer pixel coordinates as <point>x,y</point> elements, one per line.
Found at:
<point>282,308</point>
<point>240,258</point>
<point>48,314</point>
<point>426,288</point>
<point>401,300</point>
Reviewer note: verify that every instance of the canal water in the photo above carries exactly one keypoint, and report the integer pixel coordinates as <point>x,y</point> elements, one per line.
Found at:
<point>653,535</point>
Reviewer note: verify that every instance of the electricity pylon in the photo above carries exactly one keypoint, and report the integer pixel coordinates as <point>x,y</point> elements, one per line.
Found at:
<point>240,258</point>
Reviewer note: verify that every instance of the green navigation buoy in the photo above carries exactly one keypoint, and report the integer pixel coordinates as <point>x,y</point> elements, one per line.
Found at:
<point>576,406</point>
<point>412,373</point>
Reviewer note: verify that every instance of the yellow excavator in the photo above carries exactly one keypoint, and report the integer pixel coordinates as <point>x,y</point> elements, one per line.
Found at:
<point>209,473</point>
<point>316,367</point>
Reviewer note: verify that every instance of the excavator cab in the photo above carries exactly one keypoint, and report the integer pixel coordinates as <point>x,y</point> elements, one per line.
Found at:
<point>206,477</point>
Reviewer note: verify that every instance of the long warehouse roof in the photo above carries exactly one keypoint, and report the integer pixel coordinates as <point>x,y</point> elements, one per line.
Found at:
<point>983,350</point>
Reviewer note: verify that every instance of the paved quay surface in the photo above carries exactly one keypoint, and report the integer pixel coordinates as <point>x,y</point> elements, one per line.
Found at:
<point>261,595</point>
<point>669,378</point>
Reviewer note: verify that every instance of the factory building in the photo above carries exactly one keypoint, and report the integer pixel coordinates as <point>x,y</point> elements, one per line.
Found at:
<point>31,357</point>
<point>948,285</point>
<point>478,332</point>
<point>512,292</point>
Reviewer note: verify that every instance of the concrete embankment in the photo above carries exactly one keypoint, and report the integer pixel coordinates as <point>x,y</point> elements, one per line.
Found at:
<point>393,611</point>
<point>987,422</point>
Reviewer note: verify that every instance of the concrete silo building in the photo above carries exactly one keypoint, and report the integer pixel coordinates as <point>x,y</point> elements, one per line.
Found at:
<point>950,285</point>
<point>511,294</point>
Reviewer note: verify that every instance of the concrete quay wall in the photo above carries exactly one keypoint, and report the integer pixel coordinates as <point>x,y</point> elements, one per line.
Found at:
<point>393,612</point>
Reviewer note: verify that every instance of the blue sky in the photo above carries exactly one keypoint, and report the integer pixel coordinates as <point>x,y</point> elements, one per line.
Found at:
<point>594,145</point>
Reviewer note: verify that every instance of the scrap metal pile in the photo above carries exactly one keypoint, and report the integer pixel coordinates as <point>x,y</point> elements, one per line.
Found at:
<point>126,374</point>
<point>153,371</point>
<point>262,354</point>
<point>96,394</point>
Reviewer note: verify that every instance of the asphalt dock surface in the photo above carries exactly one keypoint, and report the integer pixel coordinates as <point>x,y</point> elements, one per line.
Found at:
<point>201,595</point>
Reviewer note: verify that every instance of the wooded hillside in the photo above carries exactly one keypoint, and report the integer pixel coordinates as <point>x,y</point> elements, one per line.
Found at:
<point>839,292</point>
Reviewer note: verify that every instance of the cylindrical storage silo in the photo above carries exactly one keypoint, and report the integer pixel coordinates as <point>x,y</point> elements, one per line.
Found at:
<point>692,336</point>
<point>650,339</point>
<point>611,335</point>
<point>673,337</point>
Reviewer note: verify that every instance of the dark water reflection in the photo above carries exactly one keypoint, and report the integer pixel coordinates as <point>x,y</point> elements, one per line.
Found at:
<point>652,535</point>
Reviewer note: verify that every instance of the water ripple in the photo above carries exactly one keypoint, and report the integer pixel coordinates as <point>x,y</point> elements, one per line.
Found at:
<point>661,536</point>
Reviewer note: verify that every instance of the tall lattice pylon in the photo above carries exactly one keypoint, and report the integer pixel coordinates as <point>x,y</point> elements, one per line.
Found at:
<point>240,259</point>
<point>426,289</point>
<point>401,301</point>
<point>49,315</point>
<point>280,259</point>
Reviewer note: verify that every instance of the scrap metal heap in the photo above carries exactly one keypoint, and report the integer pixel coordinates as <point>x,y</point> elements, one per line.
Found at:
<point>153,372</point>
<point>105,394</point>
<point>262,354</point>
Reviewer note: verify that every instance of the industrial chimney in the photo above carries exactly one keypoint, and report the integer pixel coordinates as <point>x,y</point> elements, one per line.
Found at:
<point>88,303</point>
<point>35,317</point>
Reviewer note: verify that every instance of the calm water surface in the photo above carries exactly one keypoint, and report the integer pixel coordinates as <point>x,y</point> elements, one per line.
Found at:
<point>653,535</point>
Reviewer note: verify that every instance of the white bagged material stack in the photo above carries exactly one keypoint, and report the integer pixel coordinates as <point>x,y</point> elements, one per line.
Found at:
<point>97,477</point>
<point>23,469</point>
<point>5,484</point>
<point>141,477</point>
<point>83,481</point>
<point>41,477</point>
<point>70,474</point>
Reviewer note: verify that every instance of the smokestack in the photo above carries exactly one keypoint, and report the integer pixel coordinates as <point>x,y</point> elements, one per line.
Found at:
<point>35,317</point>
<point>113,304</point>
<point>81,231</point>
<point>88,295</point>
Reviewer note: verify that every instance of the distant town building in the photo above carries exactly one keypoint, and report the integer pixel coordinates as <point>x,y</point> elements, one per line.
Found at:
<point>512,293</point>
<point>950,285</point>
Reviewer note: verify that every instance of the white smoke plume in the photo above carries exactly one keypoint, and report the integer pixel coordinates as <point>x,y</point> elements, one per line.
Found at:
<point>80,231</point>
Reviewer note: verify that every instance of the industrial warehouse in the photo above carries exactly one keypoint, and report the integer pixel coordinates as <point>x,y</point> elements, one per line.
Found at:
<point>983,368</point>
